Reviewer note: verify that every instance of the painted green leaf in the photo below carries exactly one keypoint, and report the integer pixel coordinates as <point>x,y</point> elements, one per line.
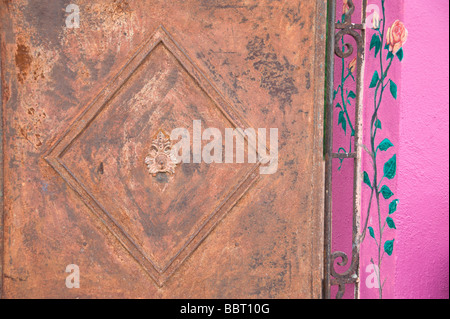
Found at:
<point>391,223</point>
<point>375,79</point>
<point>372,232</point>
<point>334,95</point>
<point>390,168</point>
<point>344,126</point>
<point>385,145</point>
<point>378,124</point>
<point>390,55</point>
<point>386,192</point>
<point>389,247</point>
<point>393,206</point>
<point>394,89</point>
<point>352,95</point>
<point>339,106</point>
<point>400,54</point>
<point>343,121</point>
<point>386,46</point>
<point>367,179</point>
<point>375,43</point>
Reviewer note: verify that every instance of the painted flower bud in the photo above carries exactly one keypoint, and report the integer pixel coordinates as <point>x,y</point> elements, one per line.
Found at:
<point>345,7</point>
<point>376,21</point>
<point>352,65</point>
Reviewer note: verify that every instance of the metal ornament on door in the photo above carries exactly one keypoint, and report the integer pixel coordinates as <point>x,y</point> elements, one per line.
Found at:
<point>161,159</point>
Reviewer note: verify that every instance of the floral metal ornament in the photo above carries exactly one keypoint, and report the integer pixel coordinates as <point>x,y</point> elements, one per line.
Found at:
<point>161,158</point>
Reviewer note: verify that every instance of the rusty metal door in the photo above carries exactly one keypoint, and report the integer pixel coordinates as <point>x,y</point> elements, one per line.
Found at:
<point>91,91</point>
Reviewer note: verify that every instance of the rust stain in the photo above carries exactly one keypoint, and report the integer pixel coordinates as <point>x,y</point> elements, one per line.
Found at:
<point>121,6</point>
<point>7,3</point>
<point>30,131</point>
<point>6,91</point>
<point>23,61</point>
<point>276,75</point>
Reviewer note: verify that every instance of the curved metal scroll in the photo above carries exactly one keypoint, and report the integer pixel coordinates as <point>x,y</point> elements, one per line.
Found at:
<point>337,32</point>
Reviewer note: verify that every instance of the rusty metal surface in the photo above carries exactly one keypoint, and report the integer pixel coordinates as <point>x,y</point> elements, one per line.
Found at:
<point>1,169</point>
<point>81,108</point>
<point>337,32</point>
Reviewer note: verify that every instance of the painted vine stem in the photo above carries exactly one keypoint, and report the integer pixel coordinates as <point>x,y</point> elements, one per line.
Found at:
<point>391,43</point>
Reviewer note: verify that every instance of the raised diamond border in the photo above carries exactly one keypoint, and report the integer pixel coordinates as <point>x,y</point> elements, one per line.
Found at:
<point>55,154</point>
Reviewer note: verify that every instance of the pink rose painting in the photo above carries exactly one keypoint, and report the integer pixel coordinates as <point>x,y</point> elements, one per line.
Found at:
<point>396,36</point>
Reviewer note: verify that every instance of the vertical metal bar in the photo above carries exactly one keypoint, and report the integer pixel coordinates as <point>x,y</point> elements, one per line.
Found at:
<point>358,146</point>
<point>1,172</point>
<point>357,32</point>
<point>329,143</point>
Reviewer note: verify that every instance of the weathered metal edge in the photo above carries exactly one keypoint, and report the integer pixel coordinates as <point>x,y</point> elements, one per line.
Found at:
<point>318,173</point>
<point>1,169</point>
<point>331,11</point>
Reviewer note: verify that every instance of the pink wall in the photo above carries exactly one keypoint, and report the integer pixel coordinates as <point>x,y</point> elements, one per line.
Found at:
<point>417,124</point>
<point>422,261</point>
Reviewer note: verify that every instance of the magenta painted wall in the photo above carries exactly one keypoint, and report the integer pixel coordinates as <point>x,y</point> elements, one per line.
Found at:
<point>422,261</point>
<point>418,125</point>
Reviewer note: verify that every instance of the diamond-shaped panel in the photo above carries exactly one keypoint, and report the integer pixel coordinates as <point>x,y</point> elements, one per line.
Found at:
<point>160,220</point>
